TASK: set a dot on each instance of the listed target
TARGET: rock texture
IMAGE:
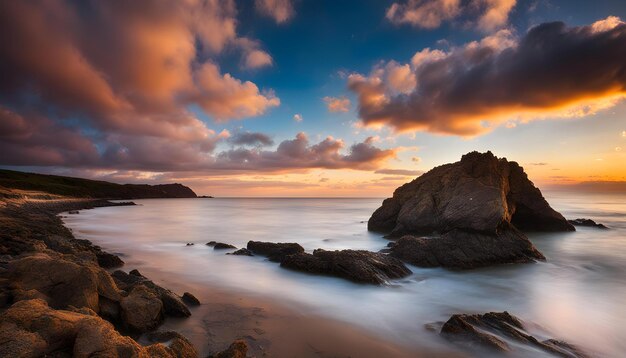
(274, 251)
(465, 250)
(492, 331)
(30, 328)
(474, 207)
(223, 246)
(238, 349)
(354, 265)
(587, 223)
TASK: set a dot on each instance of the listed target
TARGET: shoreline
(268, 328)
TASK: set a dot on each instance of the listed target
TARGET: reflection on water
(578, 295)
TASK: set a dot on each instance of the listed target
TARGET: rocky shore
(57, 298)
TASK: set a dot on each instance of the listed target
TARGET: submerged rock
(587, 222)
(274, 251)
(242, 252)
(492, 331)
(190, 299)
(459, 249)
(238, 349)
(223, 246)
(481, 197)
(354, 265)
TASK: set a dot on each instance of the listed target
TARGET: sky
(312, 97)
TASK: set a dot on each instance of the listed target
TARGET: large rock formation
(493, 330)
(354, 265)
(475, 205)
(274, 251)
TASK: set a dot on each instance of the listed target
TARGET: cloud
(337, 104)
(258, 59)
(487, 15)
(553, 71)
(540, 164)
(251, 138)
(125, 67)
(403, 172)
(623, 134)
(416, 159)
(297, 117)
(279, 10)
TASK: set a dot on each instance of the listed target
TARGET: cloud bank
(552, 71)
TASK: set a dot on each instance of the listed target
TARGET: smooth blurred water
(578, 295)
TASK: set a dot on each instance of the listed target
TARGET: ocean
(577, 295)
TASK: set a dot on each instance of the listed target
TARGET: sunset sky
(310, 97)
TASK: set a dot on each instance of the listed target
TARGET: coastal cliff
(85, 188)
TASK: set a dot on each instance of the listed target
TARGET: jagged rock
(474, 207)
(62, 282)
(492, 331)
(241, 252)
(190, 299)
(458, 249)
(238, 349)
(32, 329)
(172, 303)
(108, 261)
(223, 246)
(274, 251)
(587, 222)
(354, 265)
(142, 310)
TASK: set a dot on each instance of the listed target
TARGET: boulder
(142, 310)
(274, 251)
(108, 261)
(222, 246)
(62, 280)
(354, 265)
(190, 299)
(172, 304)
(238, 349)
(493, 330)
(459, 249)
(587, 223)
(474, 209)
(31, 328)
(175, 342)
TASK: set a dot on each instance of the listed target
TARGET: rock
(274, 251)
(478, 193)
(190, 299)
(492, 331)
(587, 222)
(73, 212)
(482, 199)
(175, 342)
(354, 265)
(241, 252)
(62, 282)
(135, 272)
(211, 243)
(238, 349)
(189, 244)
(32, 329)
(223, 246)
(459, 249)
(142, 310)
(172, 304)
(108, 261)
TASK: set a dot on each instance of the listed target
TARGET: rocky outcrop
(459, 249)
(587, 223)
(474, 208)
(354, 265)
(30, 328)
(274, 251)
(222, 246)
(479, 193)
(241, 252)
(493, 330)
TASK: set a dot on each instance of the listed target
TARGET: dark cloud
(251, 138)
(552, 71)
(402, 172)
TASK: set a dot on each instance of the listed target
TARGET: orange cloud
(553, 71)
(280, 10)
(337, 104)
